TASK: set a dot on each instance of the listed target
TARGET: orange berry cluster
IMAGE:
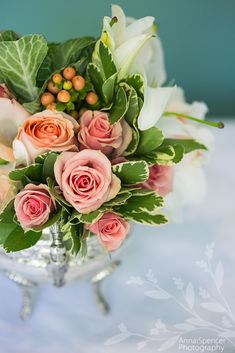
(66, 89)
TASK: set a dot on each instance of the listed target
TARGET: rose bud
(91, 98)
(78, 82)
(33, 206)
(47, 98)
(69, 73)
(63, 96)
(111, 230)
(160, 179)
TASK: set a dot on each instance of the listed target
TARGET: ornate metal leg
(97, 281)
(28, 289)
(58, 265)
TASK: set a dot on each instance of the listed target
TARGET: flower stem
(219, 125)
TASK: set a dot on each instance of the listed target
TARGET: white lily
(189, 186)
(135, 50)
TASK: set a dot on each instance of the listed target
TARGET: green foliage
(108, 88)
(133, 172)
(3, 162)
(20, 61)
(146, 218)
(8, 35)
(189, 145)
(150, 139)
(96, 78)
(48, 166)
(119, 107)
(31, 174)
(137, 82)
(108, 67)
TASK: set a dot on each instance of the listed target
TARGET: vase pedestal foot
(28, 290)
(97, 281)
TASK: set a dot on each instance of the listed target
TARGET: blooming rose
(97, 133)
(86, 179)
(160, 179)
(45, 131)
(111, 230)
(33, 206)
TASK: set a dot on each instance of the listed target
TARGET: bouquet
(92, 138)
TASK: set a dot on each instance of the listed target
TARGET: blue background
(198, 37)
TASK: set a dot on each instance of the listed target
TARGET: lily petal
(119, 27)
(125, 55)
(155, 102)
(140, 26)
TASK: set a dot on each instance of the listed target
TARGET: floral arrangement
(90, 137)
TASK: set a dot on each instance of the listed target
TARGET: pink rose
(86, 179)
(97, 133)
(160, 179)
(33, 206)
(43, 132)
(111, 230)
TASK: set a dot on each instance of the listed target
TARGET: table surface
(175, 283)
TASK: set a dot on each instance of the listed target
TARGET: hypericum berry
(51, 106)
(57, 78)
(52, 87)
(91, 98)
(47, 98)
(69, 73)
(63, 96)
(74, 114)
(67, 85)
(78, 82)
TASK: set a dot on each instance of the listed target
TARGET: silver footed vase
(48, 262)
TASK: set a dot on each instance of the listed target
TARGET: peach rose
(86, 179)
(33, 206)
(97, 133)
(111, 230)
(43, 132)
(160, 179)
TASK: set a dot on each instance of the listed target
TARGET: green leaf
(118, 200)
(131, 148)
(6, 221)
(19, 64)
(106, 60)
(119, 107)
(108, 88)
(68, 52)
(137, 82)
(150, 139)
(145, 218)
(52, 219)
(57, 196)
(149, 203)
(19, 240)
(3, 162)
(72, 235)
(179, 153)
(95, 77)
(188, 144)
(48, 166)
(8, 35)
(133, 172)
(133, 108)
(32, 173)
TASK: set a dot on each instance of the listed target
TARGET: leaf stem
(219, 125)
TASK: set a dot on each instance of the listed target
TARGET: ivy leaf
(95, 77)
(146, 203)
(19, 240)
(106, 60)
(19, 64)
(188, 144)
(150, 139)
(119, 107)
(146, 218)
(108, 88)
(133, 172)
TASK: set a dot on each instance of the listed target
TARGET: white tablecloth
(68, 319)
